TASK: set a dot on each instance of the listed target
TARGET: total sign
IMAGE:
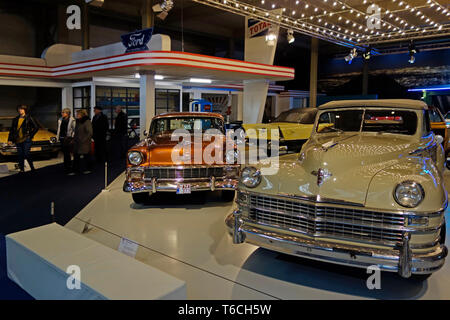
(256, 28)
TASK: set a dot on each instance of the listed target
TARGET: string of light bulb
(354, 34)
(392, 28)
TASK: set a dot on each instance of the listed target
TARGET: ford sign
(137, 41)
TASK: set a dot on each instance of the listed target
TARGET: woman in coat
(82, 143)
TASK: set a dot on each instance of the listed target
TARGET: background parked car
(440, 127)
(294, 127)
(44, 142)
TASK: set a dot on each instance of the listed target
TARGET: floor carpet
(26, 203)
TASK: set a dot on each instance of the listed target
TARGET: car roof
(394, 103)
(188, 114)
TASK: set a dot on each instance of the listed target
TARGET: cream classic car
(366, 190)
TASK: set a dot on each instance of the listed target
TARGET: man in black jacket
(121, 132)
(100, 128)
(21, 134)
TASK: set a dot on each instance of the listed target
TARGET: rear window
(395, 121)
(368, 120)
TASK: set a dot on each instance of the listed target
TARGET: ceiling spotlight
(200, 80)
(290, 36)
(366, 54)
(163, 8)
(412, 51)
(353, 53)
(271, 38)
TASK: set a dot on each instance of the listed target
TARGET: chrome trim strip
(256, 224)
(315, 199)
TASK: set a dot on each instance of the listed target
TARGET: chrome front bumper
(400, 260)
(12, 150)
(171, 185)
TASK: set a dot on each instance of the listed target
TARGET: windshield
(170, 124)
(300, 115)
(375, 120)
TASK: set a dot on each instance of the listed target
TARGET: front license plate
(36, 149)
(184, 189)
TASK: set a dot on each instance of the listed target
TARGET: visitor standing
(121, 132)
(65, 134)
(82, 143)
(21, 133)
(100, 129)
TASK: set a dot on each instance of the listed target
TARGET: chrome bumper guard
(400, 260)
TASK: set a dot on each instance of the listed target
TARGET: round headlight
(135, 158)
(409, 194)
(53, 139)
(251, 177)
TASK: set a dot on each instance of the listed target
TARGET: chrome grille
(183, 173)
(320, 220)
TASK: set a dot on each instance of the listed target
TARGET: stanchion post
(106, 177)
(52, 211)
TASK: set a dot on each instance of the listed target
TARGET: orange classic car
(173, 157)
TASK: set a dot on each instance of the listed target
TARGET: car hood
(159, 150)
(41, 135)
(348, 162)
(288, 130)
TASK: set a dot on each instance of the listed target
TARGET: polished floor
(10, 164)
(186, 237)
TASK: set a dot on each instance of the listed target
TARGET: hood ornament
(322, 175)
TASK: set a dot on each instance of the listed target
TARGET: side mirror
(439, 139)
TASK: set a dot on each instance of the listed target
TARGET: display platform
(186, 238)
(102, 273)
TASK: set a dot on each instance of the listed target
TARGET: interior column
(147, 14)
(313, 72)
(146, 101)
(365, 74)
(85, 27)
(67, 98)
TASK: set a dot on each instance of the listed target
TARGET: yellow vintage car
(294, 128)
(366, 190)
(44, 142)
